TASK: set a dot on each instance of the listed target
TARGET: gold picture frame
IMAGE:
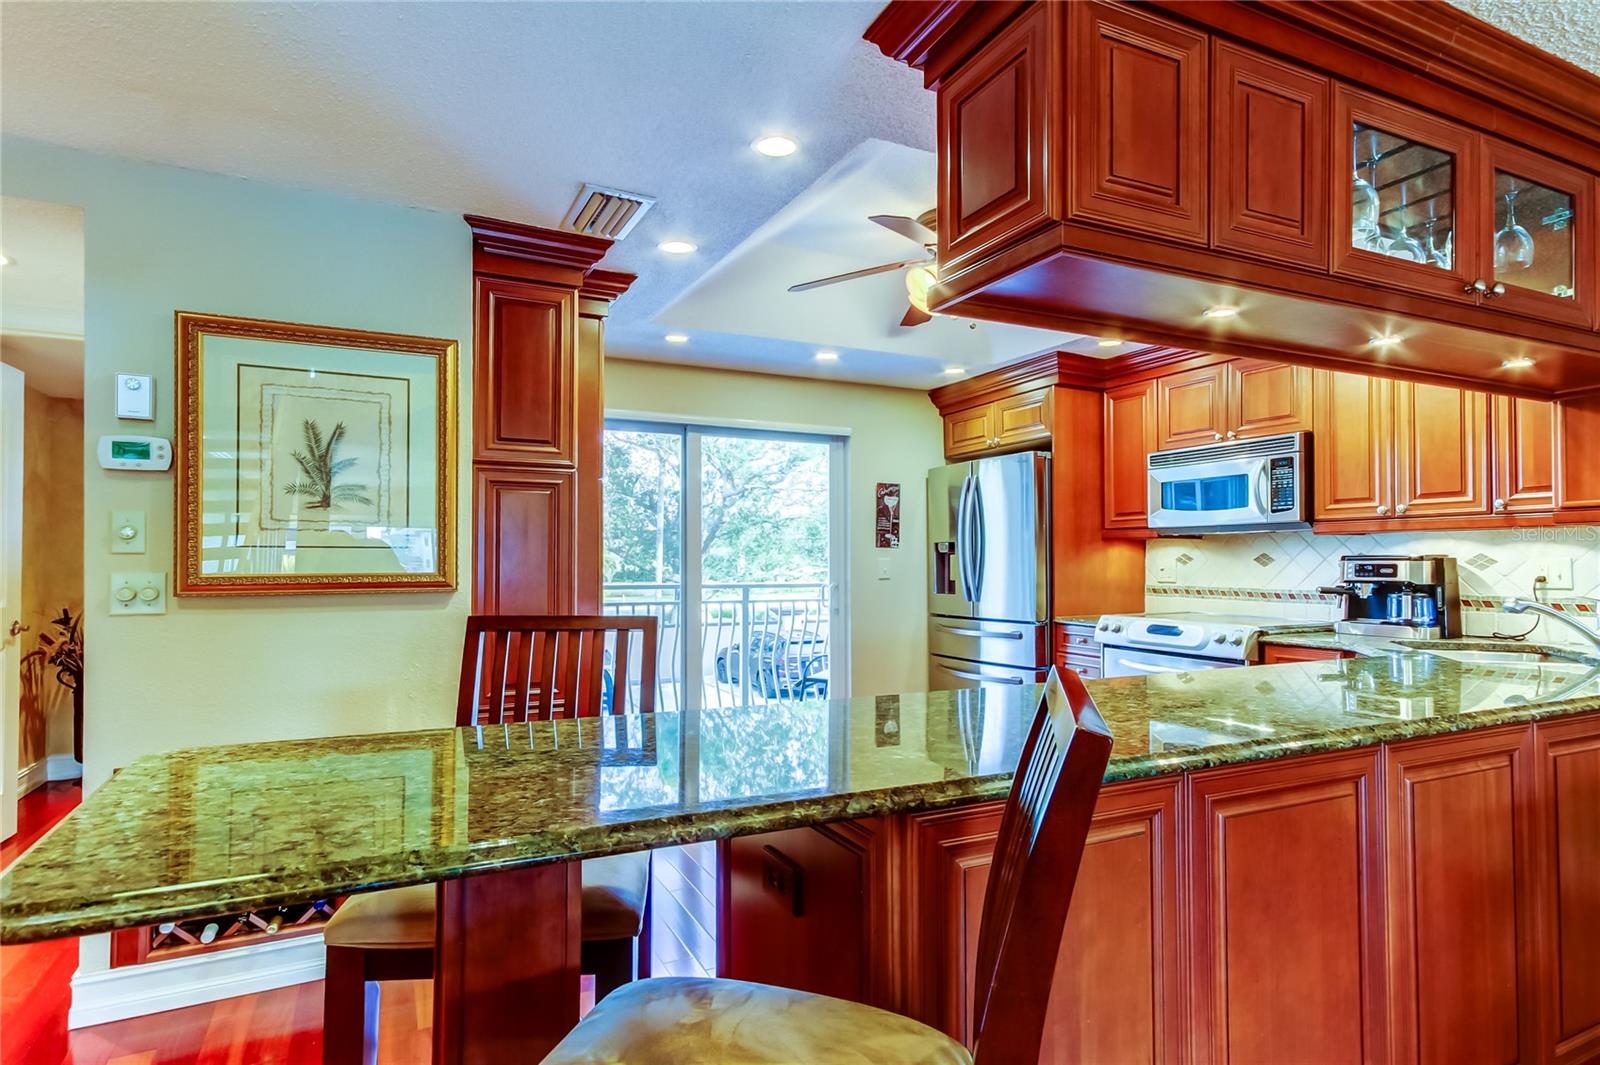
(313, 459)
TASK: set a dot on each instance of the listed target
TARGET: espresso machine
(1412, 596)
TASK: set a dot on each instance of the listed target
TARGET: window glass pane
(1402, 198)
(1532, 236)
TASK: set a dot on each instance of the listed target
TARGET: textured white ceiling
(41, 294)
(506, 108)
(1567, 28)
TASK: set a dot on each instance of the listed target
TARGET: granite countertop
(1077, 619)
(220, 829)
(1323, 637)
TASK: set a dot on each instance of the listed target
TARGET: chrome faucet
(1520, 606)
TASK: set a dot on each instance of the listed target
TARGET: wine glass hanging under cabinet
(1541, 257)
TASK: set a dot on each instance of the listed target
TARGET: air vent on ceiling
(602, 212)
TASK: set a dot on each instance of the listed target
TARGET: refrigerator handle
(964, 538)
(978, 540)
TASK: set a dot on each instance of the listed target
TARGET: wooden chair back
(532, 667)
(1042, 835)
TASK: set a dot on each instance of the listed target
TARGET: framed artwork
(313, 459)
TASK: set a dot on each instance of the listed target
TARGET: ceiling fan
(921, 275)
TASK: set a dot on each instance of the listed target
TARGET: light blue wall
(160, 239)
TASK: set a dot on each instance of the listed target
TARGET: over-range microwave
(1236, 486)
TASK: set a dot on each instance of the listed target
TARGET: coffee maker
(1411, 596)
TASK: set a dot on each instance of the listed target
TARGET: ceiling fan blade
(909, 228)
(914, 317)
(852, 275)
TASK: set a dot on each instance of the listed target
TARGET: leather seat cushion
(682, 1021)
(613, 908)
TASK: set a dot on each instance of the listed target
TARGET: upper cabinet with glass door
(1541, 260)
(1409, 218)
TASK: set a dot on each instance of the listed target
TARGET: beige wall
(52, 559)
(894, 435)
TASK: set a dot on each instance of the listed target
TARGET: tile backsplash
(1277, 574)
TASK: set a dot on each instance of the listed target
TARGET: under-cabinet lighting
(676, 247)
(1108, 343)
(827, 356)
(1522, 362)
(1221, 310)
(676, 338)
(775, 145)
(1384, 341)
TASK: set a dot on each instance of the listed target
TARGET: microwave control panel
(1281, 484)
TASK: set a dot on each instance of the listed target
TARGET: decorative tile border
(1584, 607)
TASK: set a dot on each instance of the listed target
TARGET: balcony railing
(750, 643)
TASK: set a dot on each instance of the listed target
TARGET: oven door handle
(1149, 667)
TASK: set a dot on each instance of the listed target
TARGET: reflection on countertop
(225, 828)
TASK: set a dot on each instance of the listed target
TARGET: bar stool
(514, 669)
(673, 1021)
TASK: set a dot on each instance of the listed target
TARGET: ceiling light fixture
(954, 371)
(1384, 341)
(677, 247)
(827, 356)
(1521, 362)
(1221, 310)
(1109, 343)
(676, 338)
(775, 145)
(919, 279)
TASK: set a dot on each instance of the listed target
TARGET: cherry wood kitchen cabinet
(1076, 649)
(1136, 117)
(1274, 653)
(1566, 770)
(1463, 945)
(1192, 407)
(1285, 905)
(1130, 434)
(1269, 157)
(1554, 206)
(1442, 450)
(1012, 423)
(1578, 457)
(1524, 455)
(1353, 417)
(1231, 400)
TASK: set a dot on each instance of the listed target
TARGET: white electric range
(1133, 645)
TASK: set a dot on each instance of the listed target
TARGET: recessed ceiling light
(676, 247)
(1221, 310)
(775, 145)
(1109, 343)
(676, 338)
(1521, 362)
(954, 371)
(827, 356)
(1383, 341)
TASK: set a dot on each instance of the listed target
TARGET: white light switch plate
(883, 569)
(138, 593)
(127, 532)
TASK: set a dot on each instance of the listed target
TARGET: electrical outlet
(1164, 574)
(1553, 574)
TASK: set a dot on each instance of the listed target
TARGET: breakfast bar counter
(1327, 782)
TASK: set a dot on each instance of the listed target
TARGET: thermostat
(136, 396)
(135, 453)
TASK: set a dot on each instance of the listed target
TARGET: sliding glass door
(734, 539)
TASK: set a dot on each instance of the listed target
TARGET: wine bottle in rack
(209, 932)
(275, 922)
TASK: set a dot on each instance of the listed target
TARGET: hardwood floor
(282, 1027)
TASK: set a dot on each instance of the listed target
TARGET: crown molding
(534, 244)
(606, 284)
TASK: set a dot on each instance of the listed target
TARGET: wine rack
(202, 935)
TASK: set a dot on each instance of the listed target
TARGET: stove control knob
(1116, 628)
(1236, 639)
(1218, 638)
(1104, 626)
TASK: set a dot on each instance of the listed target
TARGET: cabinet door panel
(1441, 450)
(1269, 157)
(1130, 437)
(968, 432)
(1287, 854)
(1461, 930)
(1553, 206)
(1023, 419)
(1136, 117)
(992, 128)
(1265, 398)
(1524, 455)
(1192, 407)
(1353, 420)
(1577, 457)
(524, 525)
(525, 386)
(1567, 766)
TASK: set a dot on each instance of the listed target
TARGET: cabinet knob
(1499, 289)
(1479, 286)
(1217, 436)
(1401, 509)
(1231, 434)
(1499, 505)
(1383, 508)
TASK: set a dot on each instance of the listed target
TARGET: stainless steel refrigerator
(989, 571)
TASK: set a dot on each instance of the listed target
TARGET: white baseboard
(137, 990)
(30, 777)
(62, 767)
